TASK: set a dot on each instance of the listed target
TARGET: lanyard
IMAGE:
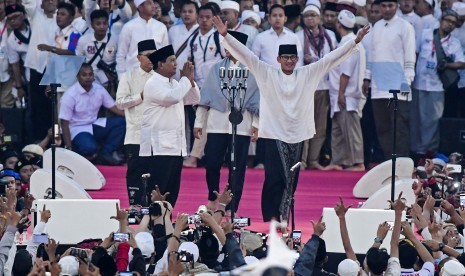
(63, 38)
(206, 46)
(237, 27)
(442, 42)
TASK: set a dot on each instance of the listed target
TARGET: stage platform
(316, 189)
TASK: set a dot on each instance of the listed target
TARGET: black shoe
(107, 160)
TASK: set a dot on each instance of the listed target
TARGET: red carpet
(316, 189)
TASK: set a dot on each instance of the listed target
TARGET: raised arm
(398, 206)
(341, 211)
(240, 51)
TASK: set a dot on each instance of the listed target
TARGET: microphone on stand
(238, 73)
(145, 176)
(296, 166)
(245, 72)
(230, 72)
(222, 72)
(442, 176)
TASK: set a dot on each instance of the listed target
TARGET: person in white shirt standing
(119, 13)
(43, 27)
(347, 100)
(163, 137)
(393, 40)
(428, 96)
(129, 98)
(317, 42)
(7, 100)
(425, 9)
(406, 12)
(230, 13)
(286, 112)
(140, 28)
(214, 111)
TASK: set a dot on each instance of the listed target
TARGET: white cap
(313, 2)
(34, 148)
(190, 247)
(360, 3)
(348, 267)
(246, 14)
(69, 265)
(459, 8)
(346, 18)
(138, 2)
(311, 8)
(233, 5)
(453, 268)
(350, 2)
(144, 241)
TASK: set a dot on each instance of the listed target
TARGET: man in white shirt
(82, 130)
(393, 40)
(428, 94)
(425, 9)
(317, 41)
(99, 46)
(230, 14)
(43, 27)
(129, 98)
(214, 111)
(286, 112)
(163, 137)
(119, 13)
(140, 28)
(18, 44)
(406, 12)
(79, 23)
(347, 100)
(266, 44)
(6, 82)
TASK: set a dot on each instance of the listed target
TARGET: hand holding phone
(296, 238)
(120, 237)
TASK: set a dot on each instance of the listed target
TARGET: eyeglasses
(289, 57)
(311, 15)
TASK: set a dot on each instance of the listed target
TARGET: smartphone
(462, 200)
(296, 238)
(241, 222)
(194, 219)
(144, 211)
(132, 220)
(453, 168)
(391, 225)
(40, 238)
(125, 273)
(120, 237)
(77, 252)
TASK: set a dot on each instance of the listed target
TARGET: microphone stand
(292, 203)
(53, 97)
(394, 99)
(145, 196)
(235, 89)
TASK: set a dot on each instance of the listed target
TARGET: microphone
(146, 176)
(222, 72)
(230, 72)
(442, 176)
(297, 165)
(238, 73)
(245, 73)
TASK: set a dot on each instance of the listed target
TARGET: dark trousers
(136, 168)
(454, 103)
(218, 145)
(110, 137)
(40, 107)
(165, 172)
(371, 147)
(384, 120)
(276, 180)
(189, 112)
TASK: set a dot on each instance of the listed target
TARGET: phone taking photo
(40, 238)
(296, 238)
(120, 237)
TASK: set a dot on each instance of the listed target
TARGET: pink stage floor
(316, 190)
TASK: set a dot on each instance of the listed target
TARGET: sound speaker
(452, 135)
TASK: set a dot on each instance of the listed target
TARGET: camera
(241, 222)
(186, 257)
(79, 253)
(120, 237)
(194, 219)
(107, 68)
(296, 238)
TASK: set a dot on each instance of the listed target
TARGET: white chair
(41, 186)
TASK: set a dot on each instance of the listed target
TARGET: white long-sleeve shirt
(266, 46)
(286, 101)
(392, 41)
(163, 124)
(129, 99)
(415, 21)
(178, 34)
(117, 17)
(133, 32)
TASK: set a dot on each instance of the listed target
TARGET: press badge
(431, 65)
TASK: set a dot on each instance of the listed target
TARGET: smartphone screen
(241, 222)
(40, 238)
(121, 237)
(462, 200)
(391, 225)
(194, 219)
(296, 238)
(144, 211)
(454, 168)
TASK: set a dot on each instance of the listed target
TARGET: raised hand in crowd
(45, 214)
(319, 227)
(51, 249)
(157, 196)
(175, 266)
(220, 25)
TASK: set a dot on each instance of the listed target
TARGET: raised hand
(220, 26)
(51, 249)
(362, 33)
(121, 215)
(398, 205)
(319, 227)
(45, 214)
(157, 196)
(188, 70)
(340, 209)
(383, 229)
(225, 197)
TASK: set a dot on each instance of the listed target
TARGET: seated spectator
(9, 159)
(83, 132)
(32, 151)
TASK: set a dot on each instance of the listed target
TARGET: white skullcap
(439, 162)
(348, 267)
(190, 247)
(361, 20)
(453, 268)
(34, 148)
(360, 3)
(311, 8)
(138, 2)
(346, 18)
(459, 8)
(313, 2)
(350, 2)
(69, 265)
(144, 241)
(233, 5)
(246, 14)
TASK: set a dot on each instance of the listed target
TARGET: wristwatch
(378, 240)
(441, 246)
